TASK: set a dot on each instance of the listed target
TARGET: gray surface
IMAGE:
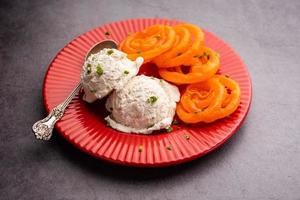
(262, 161)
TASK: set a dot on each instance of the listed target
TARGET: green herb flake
(107, 33)
(175, 122)
(151, 100)
(126, 72)
(186, 136)
(168, 147)
(109, 52)
(89, 68)
(93, 91)
(140, 148)
(169, 129)
(99, 70)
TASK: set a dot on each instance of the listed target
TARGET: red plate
(83, 124)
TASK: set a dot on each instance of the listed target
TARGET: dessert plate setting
(103, 118)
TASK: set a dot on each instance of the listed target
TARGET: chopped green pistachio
(175, 122)
(126, 72)
(89, 68)
(169, 129)
(205, 56)
(199, 111)
(140, 148)
(107, 33)
(186, 136)
(99, 70)
(109, 52)
(151, 100)
(168, 147)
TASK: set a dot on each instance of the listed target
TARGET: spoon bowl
(102, 45)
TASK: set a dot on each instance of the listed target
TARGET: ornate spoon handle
(43, 128)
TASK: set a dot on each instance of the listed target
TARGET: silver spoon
(43, 128)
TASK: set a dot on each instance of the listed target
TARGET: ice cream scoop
(105, 71)
(145, 104)
(43, 128)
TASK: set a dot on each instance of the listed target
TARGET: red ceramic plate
(83, 124)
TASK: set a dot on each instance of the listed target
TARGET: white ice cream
(105, 71)
(145, 104)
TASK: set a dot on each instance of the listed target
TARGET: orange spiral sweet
(189, 39)
(198, 72)
(149, 43)
(195, 107)
(209, 101)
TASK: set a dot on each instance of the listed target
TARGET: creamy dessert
(106, 71)
(144, 104)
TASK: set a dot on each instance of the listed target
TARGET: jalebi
(150, 43)
(204, 67)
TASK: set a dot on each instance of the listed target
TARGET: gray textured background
(262, 161)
